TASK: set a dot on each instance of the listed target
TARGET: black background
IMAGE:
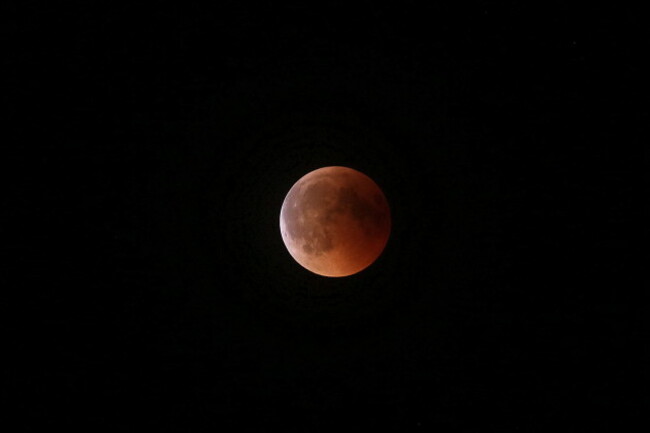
(155, 148)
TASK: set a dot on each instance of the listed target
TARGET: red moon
(335, 221)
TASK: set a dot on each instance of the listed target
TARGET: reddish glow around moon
(335, 221)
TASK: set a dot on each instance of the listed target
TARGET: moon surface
(335, 221)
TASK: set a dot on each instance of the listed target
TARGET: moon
(335, 221)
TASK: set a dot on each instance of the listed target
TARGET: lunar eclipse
(335, 221)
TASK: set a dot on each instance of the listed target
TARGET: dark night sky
(156, 147)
